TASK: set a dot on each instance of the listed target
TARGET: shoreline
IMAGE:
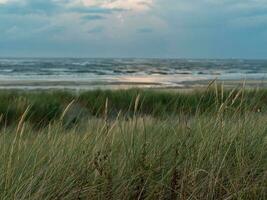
(115, 85)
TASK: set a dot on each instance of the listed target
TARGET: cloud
(182, 28)
(210, 14)
(30, 7)
(94, 10)
(98, 29)
(134, 5)
(145, 30)
(27, 7)
(3, 1)
(250, 21)
(93, 17)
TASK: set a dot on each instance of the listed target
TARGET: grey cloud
(183, 28)
(98, 29)
(93, 17)
(95, 10)
(50, 7)
(145, 30)
(31, 7)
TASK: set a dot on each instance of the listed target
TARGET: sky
(134, 28)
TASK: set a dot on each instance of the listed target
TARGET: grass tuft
(134, 144)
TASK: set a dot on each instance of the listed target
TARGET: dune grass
(134, 144)
(46, 107)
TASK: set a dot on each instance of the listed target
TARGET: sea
(90, 73)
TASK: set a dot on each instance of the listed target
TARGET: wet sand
(228, 83)
(123, 84)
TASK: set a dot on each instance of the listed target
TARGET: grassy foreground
(134, 145)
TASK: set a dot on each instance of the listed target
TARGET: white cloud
(3, 1)
(135, 5)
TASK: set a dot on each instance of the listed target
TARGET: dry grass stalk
(67, 109)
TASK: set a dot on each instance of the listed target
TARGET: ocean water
(91, 73)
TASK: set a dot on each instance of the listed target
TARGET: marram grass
(219, 153)
(48, 106)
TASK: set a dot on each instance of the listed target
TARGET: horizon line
(133, 57)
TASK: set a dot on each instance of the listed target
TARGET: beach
(86, 74)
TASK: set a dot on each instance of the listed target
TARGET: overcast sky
(134, 28)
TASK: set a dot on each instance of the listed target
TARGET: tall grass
(47, 107)
(209, 145)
